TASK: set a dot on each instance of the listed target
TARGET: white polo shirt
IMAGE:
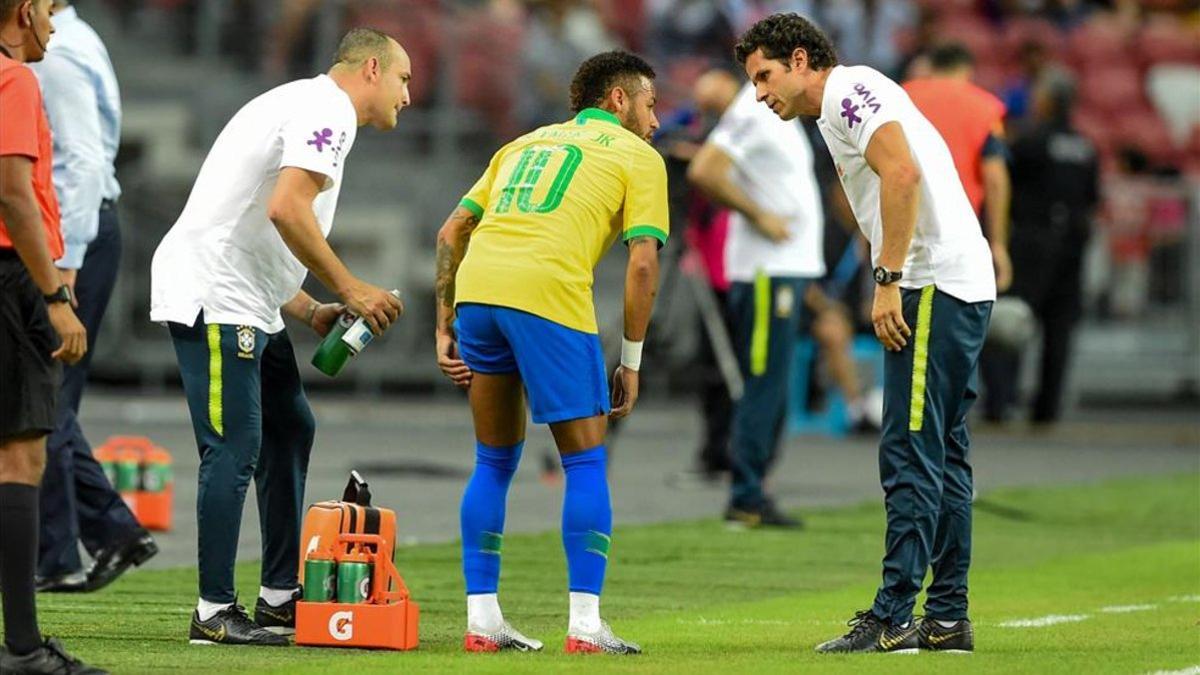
(223, 255)
(773, 165)
(948, 248)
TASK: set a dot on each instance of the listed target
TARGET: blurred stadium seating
(186, 65)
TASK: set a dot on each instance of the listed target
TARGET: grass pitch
(1082, 579)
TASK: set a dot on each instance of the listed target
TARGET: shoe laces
(863, 621)
(237, 614)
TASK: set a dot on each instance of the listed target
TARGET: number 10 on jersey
(530, 169)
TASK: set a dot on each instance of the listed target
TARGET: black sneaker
(71, 582)
(771, 516)
(869, 633)
(957, 639)
(742, 519)
(50, 658)
(114, 561)
(231, 626)
(279, 620)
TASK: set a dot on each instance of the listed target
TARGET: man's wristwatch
(884, 276)
(63, 294)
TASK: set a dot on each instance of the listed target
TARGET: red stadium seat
(1100, 41)
(1021, 30)
(1165, 40)
(976, 35)
(1099, 129)
(1145, 130)
(1113, 89)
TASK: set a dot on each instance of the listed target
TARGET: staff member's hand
(449, 361)
(324, 316)
(887, 316)
(773, 227)
(70, 331)
(375, 305)
(1004, 271)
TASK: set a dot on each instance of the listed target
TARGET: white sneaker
(599, 642)
(505, 638)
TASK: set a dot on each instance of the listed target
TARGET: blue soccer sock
(481, 516)
(586, 519)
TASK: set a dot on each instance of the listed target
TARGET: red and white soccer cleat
(505, 638)
(600, 642)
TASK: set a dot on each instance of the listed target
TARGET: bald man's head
(715, 90)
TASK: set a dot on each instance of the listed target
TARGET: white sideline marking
(1125, 609)
(1043, 621)
(1194, 670)
(1184, 598)
(729, 622)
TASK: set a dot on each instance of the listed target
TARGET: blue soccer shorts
(562, 368)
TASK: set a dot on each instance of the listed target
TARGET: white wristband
(631, 353)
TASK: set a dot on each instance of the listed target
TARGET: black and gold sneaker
(231, 626)
(280, 620)
(869, 633)
(956, 639)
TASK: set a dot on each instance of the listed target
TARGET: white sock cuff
(276, 596)
(585, 613)
(483, 612)
(208, 610)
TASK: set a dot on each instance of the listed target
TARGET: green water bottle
(353, 582)
(349, 336)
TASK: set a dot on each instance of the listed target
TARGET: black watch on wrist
(884, 276)
(63, 294)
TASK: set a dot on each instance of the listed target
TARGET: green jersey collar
(596, 114)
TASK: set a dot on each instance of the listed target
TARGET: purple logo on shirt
(322, 138)
(850, 112)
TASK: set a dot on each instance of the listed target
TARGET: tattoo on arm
(450, 252)
(641, 240)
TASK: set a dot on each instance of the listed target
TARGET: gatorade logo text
(341, 626)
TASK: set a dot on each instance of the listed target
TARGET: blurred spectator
(78, 504)
(971, 121)
(560, 35)
(761, 167)
(1055, 171)
(865, 31)
(688, 27)
(1034, 60)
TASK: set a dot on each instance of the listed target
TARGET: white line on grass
(1125, 609)
(729, 622)
(1184, 598)
(1043, 621)
(1194, 670)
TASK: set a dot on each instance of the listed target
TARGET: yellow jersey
(550, 204)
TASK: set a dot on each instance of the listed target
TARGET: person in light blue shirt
(83, 104)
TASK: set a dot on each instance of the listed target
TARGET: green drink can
(320, 580)
(353, 582)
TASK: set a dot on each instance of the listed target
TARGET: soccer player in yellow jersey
(516, 324)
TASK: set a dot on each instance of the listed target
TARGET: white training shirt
(223, 255)
(948, 248)
(773, 165)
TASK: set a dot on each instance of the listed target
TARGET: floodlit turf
(1125, 555)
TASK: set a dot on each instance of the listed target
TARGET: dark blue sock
(587, 519)
(482, 514)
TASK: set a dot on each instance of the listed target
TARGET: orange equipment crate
(388, 620)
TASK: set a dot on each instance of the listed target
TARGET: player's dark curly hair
(599, 74)
(779, 35)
